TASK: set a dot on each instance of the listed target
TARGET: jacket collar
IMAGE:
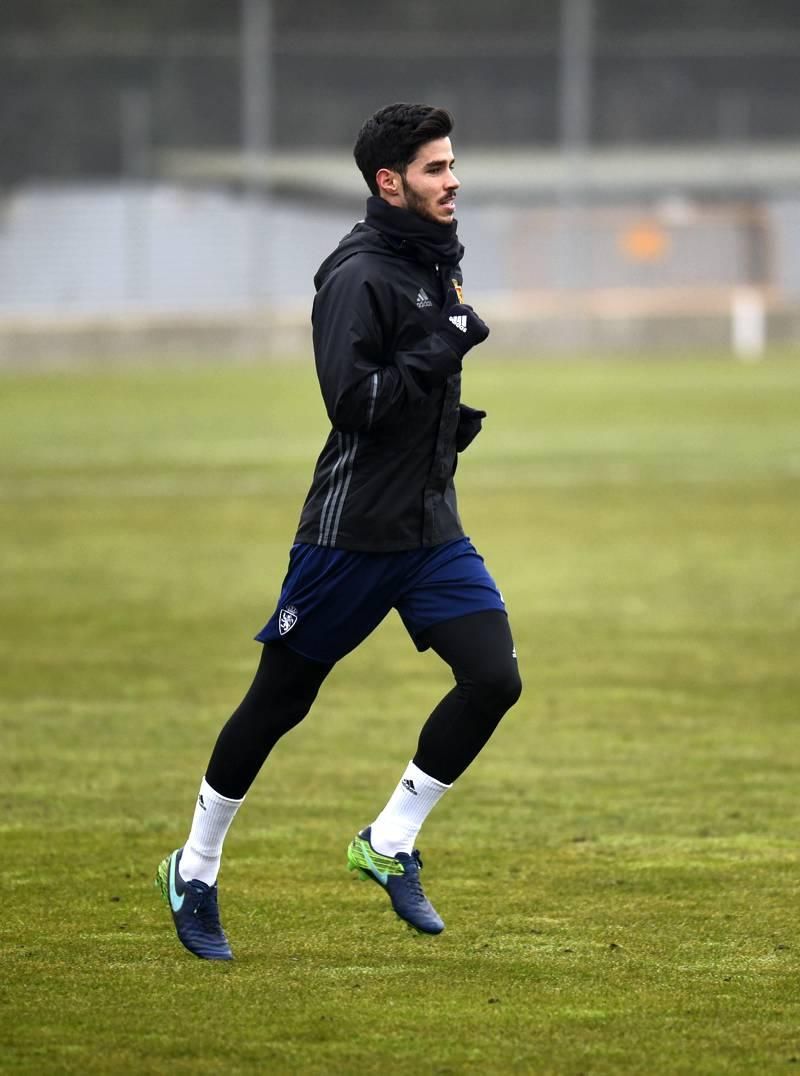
(424, 240)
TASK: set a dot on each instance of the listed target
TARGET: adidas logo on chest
(422, 299)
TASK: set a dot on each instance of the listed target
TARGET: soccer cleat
(195, 911)
(399, 876)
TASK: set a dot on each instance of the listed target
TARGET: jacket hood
(361, 239)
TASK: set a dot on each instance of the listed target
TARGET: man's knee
(509, 686)
(286, 683)
(498, 687)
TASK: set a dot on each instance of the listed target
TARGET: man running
(380, 528)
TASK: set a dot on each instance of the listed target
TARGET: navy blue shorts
(332, 599)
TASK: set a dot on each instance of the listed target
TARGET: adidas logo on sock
(409, 784)
(201, 801)
(423, 300)
(460, 321)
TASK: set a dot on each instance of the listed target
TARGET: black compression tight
(479, 650)
(280, 696)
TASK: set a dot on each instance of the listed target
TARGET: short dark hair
(392, 137)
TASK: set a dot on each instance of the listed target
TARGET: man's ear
(388, 182)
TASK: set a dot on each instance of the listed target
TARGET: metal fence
(658, 74)
(186, 156)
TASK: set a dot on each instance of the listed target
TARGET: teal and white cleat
(399, 876)
(195, 911)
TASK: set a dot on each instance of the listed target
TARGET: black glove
(470, 421)
(460, 326)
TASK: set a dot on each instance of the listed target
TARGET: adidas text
(460, 321)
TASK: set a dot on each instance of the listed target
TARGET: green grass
(619, 869)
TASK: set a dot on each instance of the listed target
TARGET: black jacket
(391, 386)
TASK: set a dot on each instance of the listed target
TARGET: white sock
(202, 853)
(396, 827)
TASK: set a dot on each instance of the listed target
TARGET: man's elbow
(347, 419)
(354, 410)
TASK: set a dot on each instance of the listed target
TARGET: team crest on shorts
(287, 618)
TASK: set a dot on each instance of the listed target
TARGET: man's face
(429, 186)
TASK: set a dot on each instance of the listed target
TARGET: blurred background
(173, 171)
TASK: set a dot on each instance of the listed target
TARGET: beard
(415, 203)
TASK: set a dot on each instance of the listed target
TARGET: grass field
(619, 869)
